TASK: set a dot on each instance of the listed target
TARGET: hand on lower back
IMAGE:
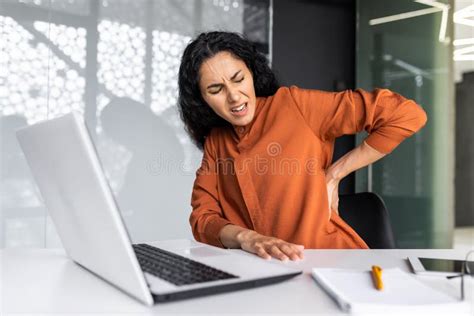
(332, 186)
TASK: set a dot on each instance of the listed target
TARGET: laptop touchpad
(206, 252)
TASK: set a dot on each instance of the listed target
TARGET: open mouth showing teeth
(239, 108)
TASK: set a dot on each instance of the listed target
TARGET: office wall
(115, 62)
(314, 48)
(465, 151)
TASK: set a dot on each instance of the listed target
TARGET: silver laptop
(69, 175)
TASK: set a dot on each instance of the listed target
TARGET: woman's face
(226, 85)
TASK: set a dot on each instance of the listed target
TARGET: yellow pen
(377, 277)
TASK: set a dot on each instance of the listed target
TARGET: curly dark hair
(197, 115)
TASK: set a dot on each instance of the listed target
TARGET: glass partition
(406, 46)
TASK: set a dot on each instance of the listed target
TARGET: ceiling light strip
(463, 41)
(402, 16)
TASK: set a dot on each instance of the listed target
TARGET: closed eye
(220, 87)
(215, 91)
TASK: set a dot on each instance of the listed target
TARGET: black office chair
(367, 215)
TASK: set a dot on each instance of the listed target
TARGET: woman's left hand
(357, 158)
(332, 185)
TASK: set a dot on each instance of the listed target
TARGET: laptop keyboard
(174, 268)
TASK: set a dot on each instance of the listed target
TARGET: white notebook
(354, 292)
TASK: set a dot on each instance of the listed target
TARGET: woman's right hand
(267, 247)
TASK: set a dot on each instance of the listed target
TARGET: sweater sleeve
(388, 117)
(207, 218)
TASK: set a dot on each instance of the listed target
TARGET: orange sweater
(269, 176)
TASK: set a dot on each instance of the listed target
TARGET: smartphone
(433, 266)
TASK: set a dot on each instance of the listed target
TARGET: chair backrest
(367, 215)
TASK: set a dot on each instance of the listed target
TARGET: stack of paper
(354, 292)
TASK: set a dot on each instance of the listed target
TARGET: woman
(266, 183)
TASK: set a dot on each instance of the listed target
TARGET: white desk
(45, 282)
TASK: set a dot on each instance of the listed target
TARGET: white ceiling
(463, 31)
